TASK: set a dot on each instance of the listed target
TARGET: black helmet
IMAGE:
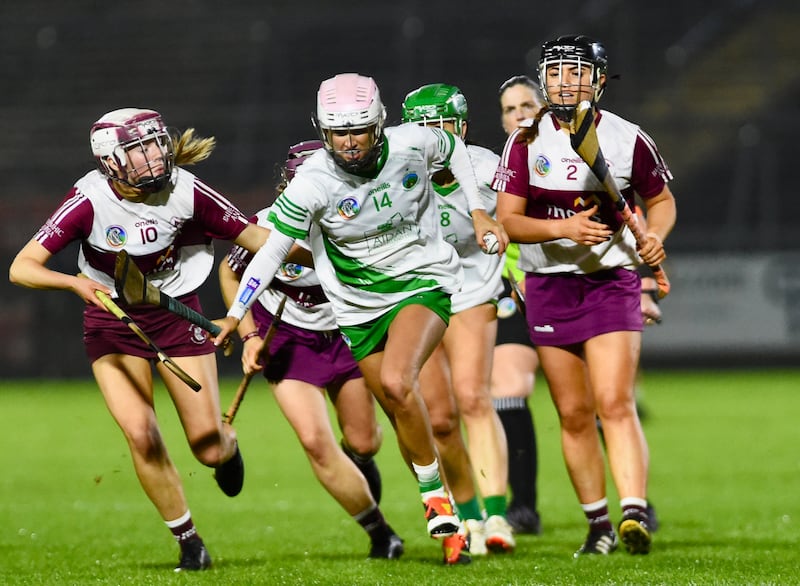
(573, 49)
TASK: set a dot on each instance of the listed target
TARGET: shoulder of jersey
(479, 153)
(484, 162)
(615, 120)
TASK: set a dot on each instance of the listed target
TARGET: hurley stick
(162, 357)
(520, 296)
(264, 352)
(135, 289)
(583, 137)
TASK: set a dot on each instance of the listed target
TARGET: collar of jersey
(445, 190)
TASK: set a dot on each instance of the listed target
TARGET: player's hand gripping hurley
(135, 289)
(583, 137)
(263, 351)
(162, 357)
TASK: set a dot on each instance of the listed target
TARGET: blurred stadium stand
(715, 83)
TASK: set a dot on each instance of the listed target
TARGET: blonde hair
(190, 149)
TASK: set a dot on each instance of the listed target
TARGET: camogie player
(463, 363)
(366, 206)
(141, 199)
(515, 359)
(306, 359)
(583, 292)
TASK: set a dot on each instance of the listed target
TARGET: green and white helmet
(436, 102)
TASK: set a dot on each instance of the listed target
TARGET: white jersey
(306, 306)
(168, 235)
(376, 240)
(557, 183)
(482, 271)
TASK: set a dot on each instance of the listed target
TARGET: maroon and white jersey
(168, 234)
(557, 184)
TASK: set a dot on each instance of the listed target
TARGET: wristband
(252, 334)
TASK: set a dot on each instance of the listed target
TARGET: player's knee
(363, 443)
(444, 423)
(615, 409)
(577, 419)
(208, 449)
(396, 388)
(146, 441)
(475, 405)
(318, 444)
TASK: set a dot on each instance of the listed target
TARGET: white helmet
(118, 131)
(351, 102)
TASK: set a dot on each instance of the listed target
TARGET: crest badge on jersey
(542, 166)
(291, 271)
(410, 180)
(348, 208)
(197, 335)
(116, 236)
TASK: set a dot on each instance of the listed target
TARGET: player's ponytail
(528, 134)
(190, 149)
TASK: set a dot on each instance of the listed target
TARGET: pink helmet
(350, 101)
(118, 131)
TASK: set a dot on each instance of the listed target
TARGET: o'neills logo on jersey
(542, 166)
(116, 236)
(348, 207)
(410, 180)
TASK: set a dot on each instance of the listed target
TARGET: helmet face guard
(574, 51)
(134, 147)
(350, 104)
(436, 104)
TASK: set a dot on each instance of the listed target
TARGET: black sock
(522, 456)
(374, 524)
(369, 469)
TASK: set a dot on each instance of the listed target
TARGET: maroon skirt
(104, 333)
(568, 308)
(322, 359)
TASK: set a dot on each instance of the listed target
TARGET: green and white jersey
(377, 240)
(482, 271)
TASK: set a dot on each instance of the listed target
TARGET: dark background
(715, 83)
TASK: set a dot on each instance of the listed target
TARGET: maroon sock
(634, 511)
(598, 519)
(184, 531)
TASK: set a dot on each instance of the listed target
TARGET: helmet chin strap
(563, 113)
(361, 165)
(146, 186)
(155, 184)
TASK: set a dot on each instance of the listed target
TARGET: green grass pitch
(725, 478)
